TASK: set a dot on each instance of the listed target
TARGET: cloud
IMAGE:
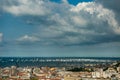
(1, 37)
(98, 15)
(25, 7)
(27, 38)
(65, 24)
(112, 5)
(65, 1)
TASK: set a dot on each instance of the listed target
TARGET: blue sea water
(54, 61)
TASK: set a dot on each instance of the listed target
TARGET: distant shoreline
(53, 57)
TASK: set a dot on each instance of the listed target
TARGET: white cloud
(1, 37)
(97, 15)
(79, 21)
(25, 7)
(66, 23)
(65, 1)
(27, 38)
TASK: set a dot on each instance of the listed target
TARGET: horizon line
(61, 56)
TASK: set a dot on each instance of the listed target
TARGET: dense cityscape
(70, 69)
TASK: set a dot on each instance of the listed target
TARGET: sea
(55, 61)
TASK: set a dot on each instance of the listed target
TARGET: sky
(62, 28)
